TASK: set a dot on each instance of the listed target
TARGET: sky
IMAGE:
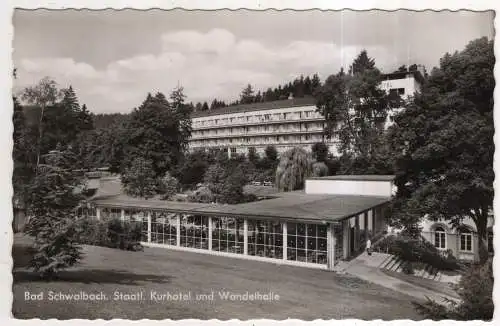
(114, 58)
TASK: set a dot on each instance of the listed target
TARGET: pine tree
(247, 95)
(362, 63)
(182, 114)
(70, 100)
(53, 220)
(315, 83)
(85, 121)
(205, 107)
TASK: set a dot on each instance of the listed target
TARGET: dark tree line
(299, 87)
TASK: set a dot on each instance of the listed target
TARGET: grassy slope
(304, 293)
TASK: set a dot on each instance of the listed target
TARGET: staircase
(395, 264)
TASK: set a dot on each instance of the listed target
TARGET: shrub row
(417, 250)
(112, 233)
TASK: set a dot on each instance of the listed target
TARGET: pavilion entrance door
(352, 239)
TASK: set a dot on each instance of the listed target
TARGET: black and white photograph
(252, 164)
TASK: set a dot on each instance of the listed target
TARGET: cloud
(214, 64)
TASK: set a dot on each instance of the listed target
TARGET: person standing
(369, 247)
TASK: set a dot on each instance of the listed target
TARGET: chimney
(290, 97)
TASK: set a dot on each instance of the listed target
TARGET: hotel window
(439, 238)
(248, 118)
(267, 117)
(216, 121)
(285, 138)
(228, 234)
(233, 150)
(265, 239)
(306, 243)
(465, 240)
(307, 114)
(231, 120)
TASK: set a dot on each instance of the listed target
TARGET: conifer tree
(53, 220)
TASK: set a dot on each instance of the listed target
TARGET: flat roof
(299, 101)
(296, 206)
(364, 177)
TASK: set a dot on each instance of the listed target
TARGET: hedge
(112, 233)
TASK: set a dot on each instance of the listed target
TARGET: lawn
(303, 293)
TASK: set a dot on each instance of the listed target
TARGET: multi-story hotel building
(284, 124)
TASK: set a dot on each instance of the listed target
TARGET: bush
(201, 195)
(94, 232)
(319, 169)
(475, 290)
(113, 233)
(167, 186)
(417, 250)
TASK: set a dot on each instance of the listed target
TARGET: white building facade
(284, 124)
(462, 241)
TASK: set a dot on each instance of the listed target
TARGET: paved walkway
(367, 268)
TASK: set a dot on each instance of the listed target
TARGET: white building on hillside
(284, 124)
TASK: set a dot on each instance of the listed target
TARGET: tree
(139, 179)
(157, 132)
(168, 186)
(319, 152)
(85, 121)
(294, 167)
(319, 169)
(41, 95)
(475, 290)
(253, 156)
(355, 109)
(70, 100)
(315, 83)
(23, 154)
(247, 95)
(361, 63)
(271, 153)
(225, 180)
(205, 107)
(53, 221)
(182, 116)
(192, 169)
(442, 144)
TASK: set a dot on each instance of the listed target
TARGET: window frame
(442, 243)
(462, 234)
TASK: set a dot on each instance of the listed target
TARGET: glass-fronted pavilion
(298, 228)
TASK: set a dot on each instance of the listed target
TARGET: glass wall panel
(140, 217)
(194, 231)
(164, 228)
(306, 243)
(228, 234)
(265, 239)
(87, 211)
